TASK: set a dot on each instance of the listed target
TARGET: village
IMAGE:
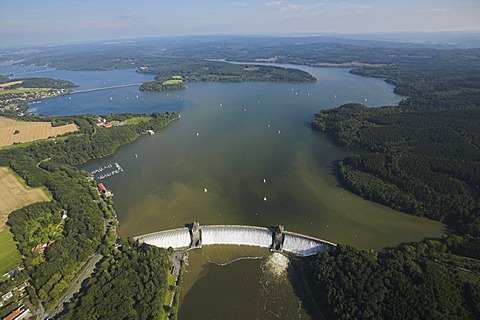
(12, 100)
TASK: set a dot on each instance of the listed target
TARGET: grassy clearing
(23, 90)
(172, 81)
(136, 120)
(177, 77)
(14, 194)
(168, 296)
(9, 255)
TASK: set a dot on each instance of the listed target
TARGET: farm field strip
(12, 131)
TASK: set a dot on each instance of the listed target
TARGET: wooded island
(173, 73)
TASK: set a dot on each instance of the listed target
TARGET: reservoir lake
(230, 137)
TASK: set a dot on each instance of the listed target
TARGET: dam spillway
(243, 235)
(271, 238)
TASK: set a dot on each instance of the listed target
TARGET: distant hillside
(309, 50)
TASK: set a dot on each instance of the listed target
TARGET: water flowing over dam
(195, 236)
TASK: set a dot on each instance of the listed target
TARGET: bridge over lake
(274, 238)
(107, 88)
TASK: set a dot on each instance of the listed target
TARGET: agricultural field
(15, 196)
(12, 131)
(8, 84)
(9, 255)
(22, 90)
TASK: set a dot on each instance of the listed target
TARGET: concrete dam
(274, 238)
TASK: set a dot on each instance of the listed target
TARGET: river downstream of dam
(250, 146)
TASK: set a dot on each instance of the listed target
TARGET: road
(79, 279)
(38, 164)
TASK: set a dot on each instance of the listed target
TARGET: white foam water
(177, 238)
(277, 264)
(240, 235)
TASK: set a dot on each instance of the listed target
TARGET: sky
(26, 22)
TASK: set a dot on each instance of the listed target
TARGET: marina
(110, 169)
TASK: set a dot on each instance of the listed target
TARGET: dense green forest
(418, 281)
(422, 158)
(130, 284)
(84, 231)
(421, 162)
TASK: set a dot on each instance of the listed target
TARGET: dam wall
(240, 235)
(181, 238)
(175, 238)
(304, 245)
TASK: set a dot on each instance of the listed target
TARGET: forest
(423, 158)
(75, 195)
(130, 284)
(417, 281)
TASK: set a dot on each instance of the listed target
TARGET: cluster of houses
(17, 290)
(21, 312)
(12, 101)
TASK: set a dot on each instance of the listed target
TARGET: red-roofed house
(14, 314)
(101, 188)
